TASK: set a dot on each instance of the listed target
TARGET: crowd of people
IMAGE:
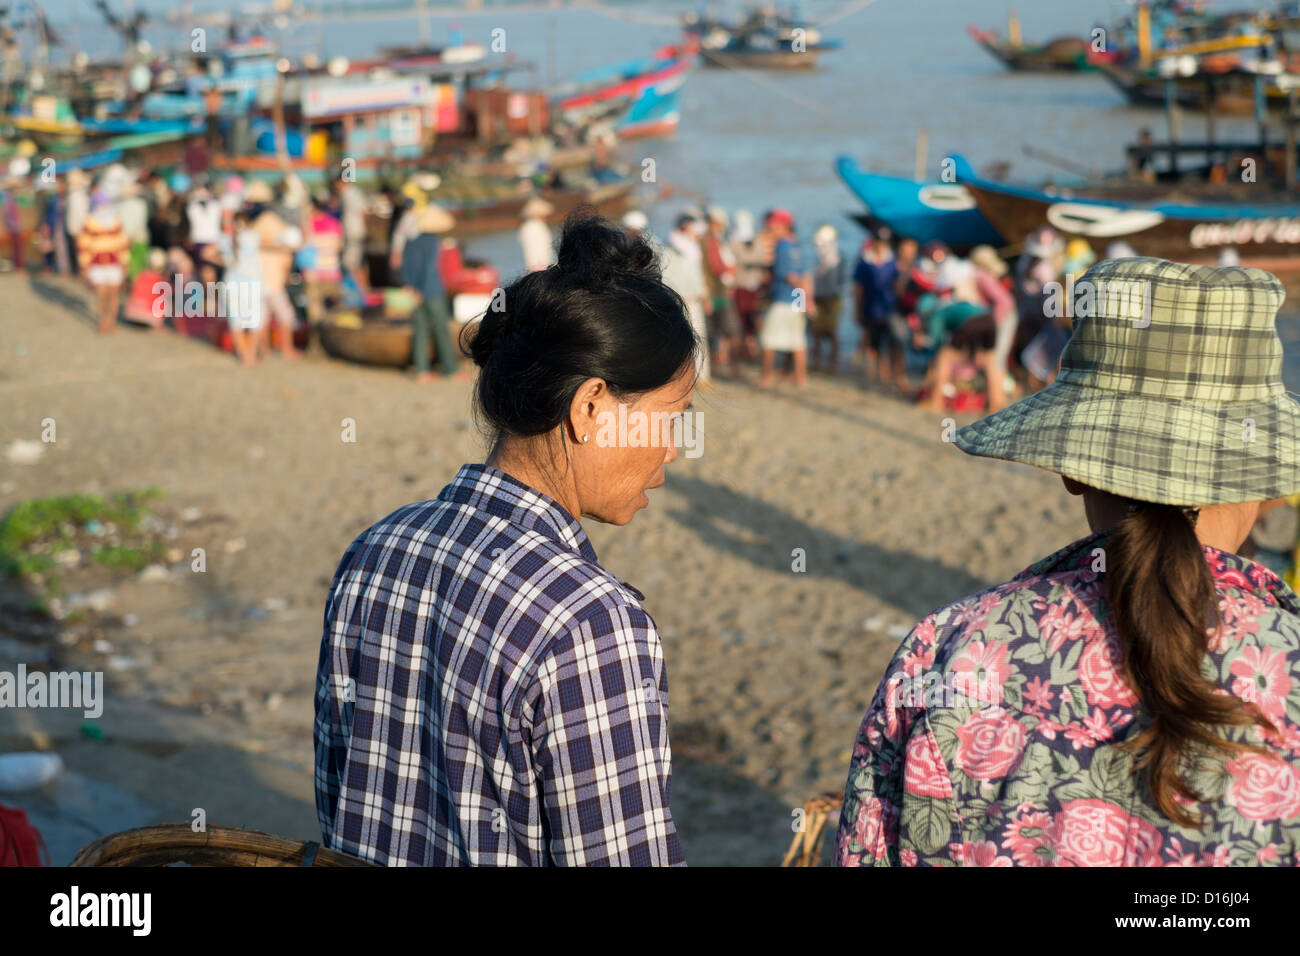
(177, 250)
(954, 332)
(161, 249)
(958, 333)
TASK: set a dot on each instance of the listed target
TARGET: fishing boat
(654, 113)
(1186, 231)
(636, 98)
(1062, 55)
(923, 211)
(474, 216)
(1231, 91)
(764, 40)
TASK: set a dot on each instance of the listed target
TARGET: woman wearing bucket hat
(1133, 699)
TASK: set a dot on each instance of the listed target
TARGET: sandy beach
(769, 668)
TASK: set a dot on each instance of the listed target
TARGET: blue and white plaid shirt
(488, 693)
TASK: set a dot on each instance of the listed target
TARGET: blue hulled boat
(923, 211)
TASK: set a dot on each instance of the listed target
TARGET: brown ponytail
(1162, 595)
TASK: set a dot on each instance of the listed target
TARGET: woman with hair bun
(487, 692)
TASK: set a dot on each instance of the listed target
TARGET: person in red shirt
(720, 277)
(102, 253)
(151, 293)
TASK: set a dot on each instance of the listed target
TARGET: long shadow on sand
(722, 517)
(802, 399)
(58, 295)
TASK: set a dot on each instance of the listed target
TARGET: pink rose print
(1221, 856)
(1039, 694)
(981, 670)
(1092, 731)
(991, 743)
(1262, 679)
(918, 662)
(1031, 838)
(1267, 854)
(1096, 833)
(1263, 788)
(875, 828)
(924, 632)
(925, 774)
(975, 616)
(1226, 577)
(866, 831)
(893, 700)
(1058, 625)
(1239, 615)
(984, 853)
(1101, 674)
(907, 856)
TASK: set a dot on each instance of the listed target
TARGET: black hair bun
(602, 311)
(593, 249)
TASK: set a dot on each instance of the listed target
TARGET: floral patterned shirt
(992, 739)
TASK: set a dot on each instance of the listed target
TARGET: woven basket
(806, 847)
(170, 843)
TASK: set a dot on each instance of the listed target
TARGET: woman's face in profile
(633, 442)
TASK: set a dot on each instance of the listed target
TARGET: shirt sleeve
(599, 738)
(873, 796)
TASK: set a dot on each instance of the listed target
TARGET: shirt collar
(492, 490)
(1228, 569)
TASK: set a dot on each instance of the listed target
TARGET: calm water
(757, 140)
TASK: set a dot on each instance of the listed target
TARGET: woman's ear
(1072, 486)
(584, 410)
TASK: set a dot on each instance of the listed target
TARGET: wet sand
(769, 668)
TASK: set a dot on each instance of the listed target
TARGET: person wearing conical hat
(535, 235)
(414, 195)
(1134, 698)
(421, 275)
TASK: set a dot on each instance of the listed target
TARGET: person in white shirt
(683, 272)
(352, 207)
(78, 204)
(535, 235)
(133, 213)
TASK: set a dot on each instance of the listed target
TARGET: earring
(585, 437)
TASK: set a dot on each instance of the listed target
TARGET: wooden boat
(764, 40)
(385, 342)
(1062, 55)
(474, 217)
(1195, 230)
(923, 211)
(635, 98)
(654, 113)
(1230, 92)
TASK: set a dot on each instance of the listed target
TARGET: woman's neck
(1224, 527)
(555, 480)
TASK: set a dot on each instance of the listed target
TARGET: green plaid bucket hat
(1170, 390)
